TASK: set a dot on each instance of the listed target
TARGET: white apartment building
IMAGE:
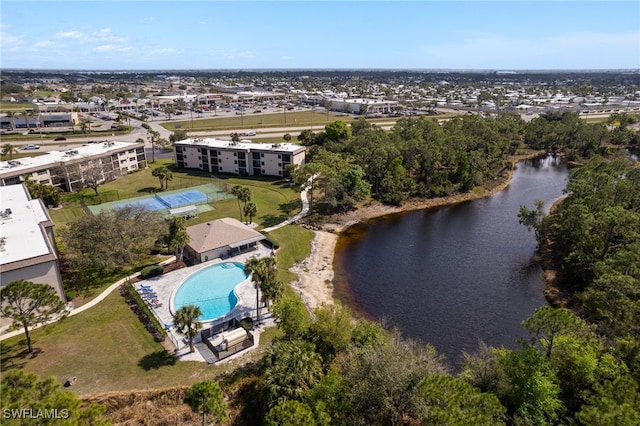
(362, 106)
(240, 158)
(27, 244)
(68, 169)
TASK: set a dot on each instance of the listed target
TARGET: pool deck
(165, 285)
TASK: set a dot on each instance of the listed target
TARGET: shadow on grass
(149, 190)
(272, 220)
(287, 208)
(15, 355)
(156, 360)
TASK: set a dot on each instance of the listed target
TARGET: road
(48, 144)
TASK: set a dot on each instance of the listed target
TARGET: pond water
(452, 276)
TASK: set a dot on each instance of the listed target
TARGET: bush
(70, 294)
(151, 271)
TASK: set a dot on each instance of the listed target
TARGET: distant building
(240, 158)
(27, 244)
(362, 106)
(220, 238)
(69, 169)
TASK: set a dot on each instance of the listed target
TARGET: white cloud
(286, 58)
(163, 51)
(148, 20)
(110, 48)
(45, 43)
(70, 34)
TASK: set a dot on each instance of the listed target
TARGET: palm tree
(243, 194)
(250, 210)
(8, 149)
(263, 271)
(186, 322)
(11, 116)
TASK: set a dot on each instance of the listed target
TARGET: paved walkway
(111, 288)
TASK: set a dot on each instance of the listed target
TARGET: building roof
(244, 145)
(221, 233)
(56, 157)
(21, 236)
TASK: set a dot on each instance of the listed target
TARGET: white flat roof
(20, 229)
(55, 157)
(242, 145)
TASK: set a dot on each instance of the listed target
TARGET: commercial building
(240, 158)
(27, 244)
(363, 106)
(70, 170)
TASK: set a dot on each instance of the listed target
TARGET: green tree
(287, 137)
(178, 237)
(21, 390)
(613, 403)
(295, 413)
(250, 211)
(532, 219)
(332, 329)
(160, 173)
(382, 382)
(30, 304)
(263, 271)
(291, 369)
(206, 398)
(9, 149)
(243, 194)
(528, 388)
(291, 316)
(452, 401)
(547, 323)
(186, 322)
(112, 238)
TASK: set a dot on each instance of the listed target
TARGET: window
(279, 156)
(262, 154)
(235, 162)
(263, 163)
(279, 164)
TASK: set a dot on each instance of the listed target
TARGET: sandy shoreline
(315, 273)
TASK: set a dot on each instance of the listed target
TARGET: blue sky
(480, 35)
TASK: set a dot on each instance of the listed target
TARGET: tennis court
(199, 196)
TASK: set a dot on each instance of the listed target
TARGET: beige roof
(221, 233)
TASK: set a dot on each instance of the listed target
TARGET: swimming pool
(211, 289)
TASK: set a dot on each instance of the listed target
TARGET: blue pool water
(211, 289)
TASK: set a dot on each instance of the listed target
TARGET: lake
(452, 276)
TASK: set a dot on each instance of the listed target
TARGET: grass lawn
(295, 246)
(259, 121)
(107, 348)
(274, 200)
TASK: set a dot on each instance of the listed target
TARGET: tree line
(421, 157)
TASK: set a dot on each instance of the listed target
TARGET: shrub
(70, 294)
(151, 271)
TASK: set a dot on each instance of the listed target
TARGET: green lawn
(275, 200)
(107, 348)
(259, 121)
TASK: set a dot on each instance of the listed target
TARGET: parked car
(60, 138)
(31, 146)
